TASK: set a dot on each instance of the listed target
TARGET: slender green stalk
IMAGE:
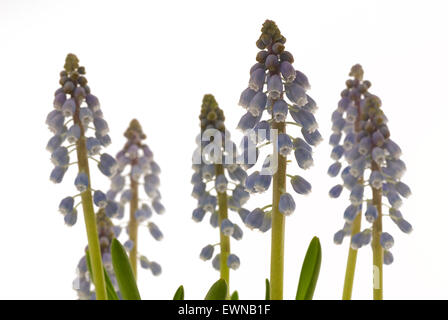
(376, 246)
(224, 240)
(278, 223)
(89, 216)
(351, 262)
(133, 226)
(356, 228)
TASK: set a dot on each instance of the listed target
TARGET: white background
(154, 61)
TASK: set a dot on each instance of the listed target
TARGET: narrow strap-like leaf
(234, 295)
(123, 272)
(110, 290)
(310, 271)
(218, 291)
(268, 290)
(179, 295)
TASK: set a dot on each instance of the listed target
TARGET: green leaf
(234, 295)
(218, 291)
(110, 290)
(179, 295)
(123, 272)
(310, 271)
(268, 290)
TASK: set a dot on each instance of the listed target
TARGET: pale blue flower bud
(73, 133)
(335, 138)
(69, 107)
(243, 213)
(221, 183)
(240, 195)
(111, 209)
(312, 138)
(393, 148)
(262, 183)
(54, 143)
(99, 198)
(275, 87)
(300, 143)
(376, 179)
(155, 231)
(227, 227)
(198, 190)
(126, 196)
(296, 94)
(386, 240)
(214, 220)
(339, 237)
(57, 174)
(358, 166)
(66, 205)
(351, 212)
(378, 155)
(257, 104)
(208, 202)
(237, 232)
(364, 145)
(371, 213)
(248, 121)
(60, 157)
(304, 158)
(86, 116)
(101, 126)
(334, 169)
(286, 204)
(71, 217)
(246, 97)
(155, 268)
(302, 80)
(117, 183)
(233, 262)
(128, 245)
(394, 199)
(207, 252)
(280, 110)
(338, 125)
(377, 138)
(82, 182)
(337, 152)
(356, 194)
(300, 185)
(93, 146)
(267, 223)
(284, 144)
(388, 258)
(349, 141)
(335, 192)
(158, 207)
(92, 102)
(403, 225)
(198, 214)
(257, 79)
(288, 72)
(59, 100)
(108, 166)
(216, 262)
(305, 119)
(254, 219)
(403, 189)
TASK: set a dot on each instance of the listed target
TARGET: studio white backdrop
(154, 61)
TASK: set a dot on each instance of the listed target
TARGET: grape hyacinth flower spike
(136, 168)
(75, 118)
(361, 139)
(277, 87)
(218, 185)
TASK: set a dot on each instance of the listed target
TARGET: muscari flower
(284, 94)
(133, 166)
(217, 177)
(361, 136)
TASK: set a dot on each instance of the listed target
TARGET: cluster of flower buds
(76, 113)
(106, 232)
(217, 174)
(136, 167)
(277, 87)
(361, 136)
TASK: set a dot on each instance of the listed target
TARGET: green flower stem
(278, 223)
(351, 262)
(89, 216)
(224, 240)
(356, 228)
(133, 226)
(376, 246)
